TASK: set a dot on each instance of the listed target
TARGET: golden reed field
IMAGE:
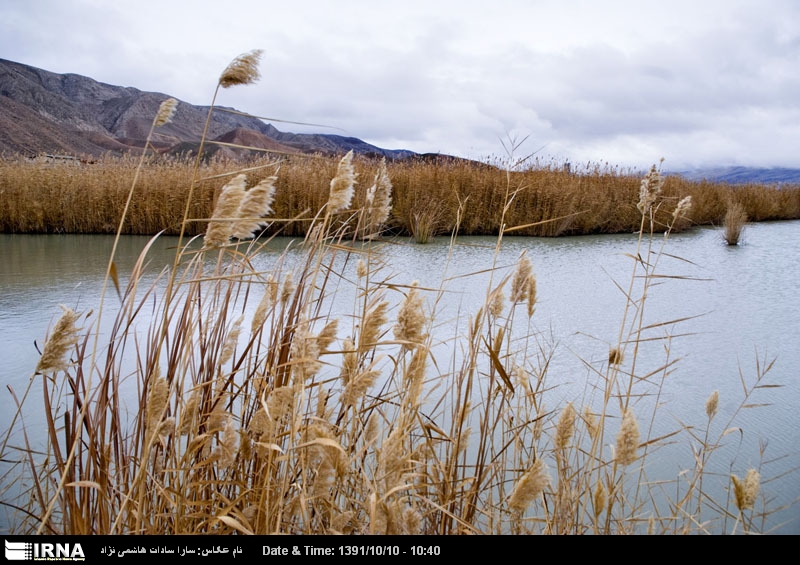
(258, 409)
(432, 196)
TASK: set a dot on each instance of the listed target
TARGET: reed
(429, 197)
(239, 401)
(734, 223)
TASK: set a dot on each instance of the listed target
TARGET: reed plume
(591, 422)
(374, 318)
(378, 201)
(242, 70)
(64, 336)
(497, 301)
(712, 404)
(157, 400)
(228, 445)
(411, 320)
(627, 439)
(220, 228)
(530, 485)
(600, 498)
(522, 274)
(166, 111)
(565, 427)
(683, 207)
(256, 203)
(342, 185)
(649, 189)
(745, 491)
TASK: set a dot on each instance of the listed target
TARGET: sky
(624, 83)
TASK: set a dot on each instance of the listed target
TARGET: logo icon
(25, 551)
(19, 551)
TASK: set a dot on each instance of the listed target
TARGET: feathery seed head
(520, 284)
(531, 292)
(156, 403)
(565, 427)
(219, 232)
(228, 445)
(591, 422)
(165, 112)
(230, 342)
(374, 319)
(538, 425)
(242, 70)
(256, 202)
(529, 486)
(497, 302)
(64, 336)
(411, 319)
(288, 288)
(683, 207)
(712, 404)
(327, 335)
(361, 269)
(342, 185)
(600, 498)
(414, 377)
(305, 353)
(627, 439)
(358, 382)
(379, 200)
(745, 491)
(189, 413)
(649, 189)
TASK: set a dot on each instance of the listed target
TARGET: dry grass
(429, 197)
(734, 223)
(226, 400)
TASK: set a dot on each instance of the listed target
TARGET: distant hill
(45, 112)
(744, 175)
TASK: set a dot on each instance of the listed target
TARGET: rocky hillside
(69, 114)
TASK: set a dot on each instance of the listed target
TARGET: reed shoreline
(430, 197)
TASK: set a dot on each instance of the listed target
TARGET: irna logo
(24, 551)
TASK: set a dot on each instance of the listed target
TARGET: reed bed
(230, 400)
(432, 196)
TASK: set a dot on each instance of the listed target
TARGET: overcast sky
(697, 82)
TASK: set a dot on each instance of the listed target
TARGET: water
(739, 308)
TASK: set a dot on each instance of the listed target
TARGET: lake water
(741, 305)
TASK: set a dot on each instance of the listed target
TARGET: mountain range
(42, 112)
(69, 114)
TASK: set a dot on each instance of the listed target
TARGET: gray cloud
(699, 83)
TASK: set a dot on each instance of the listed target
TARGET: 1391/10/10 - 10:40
(379, 550)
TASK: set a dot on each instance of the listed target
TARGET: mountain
(744, 175)
(45, 112)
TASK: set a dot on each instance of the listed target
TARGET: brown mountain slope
(45, 112)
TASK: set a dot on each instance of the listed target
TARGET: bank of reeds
(241, 401)
(431, 196)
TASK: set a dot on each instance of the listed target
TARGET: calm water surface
(739, 308)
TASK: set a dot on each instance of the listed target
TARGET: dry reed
(427, 198)
(734, 223)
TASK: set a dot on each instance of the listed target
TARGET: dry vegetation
(241, 408)
(733, 223)
(431, 197)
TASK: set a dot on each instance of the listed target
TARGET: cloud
(698, 83)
